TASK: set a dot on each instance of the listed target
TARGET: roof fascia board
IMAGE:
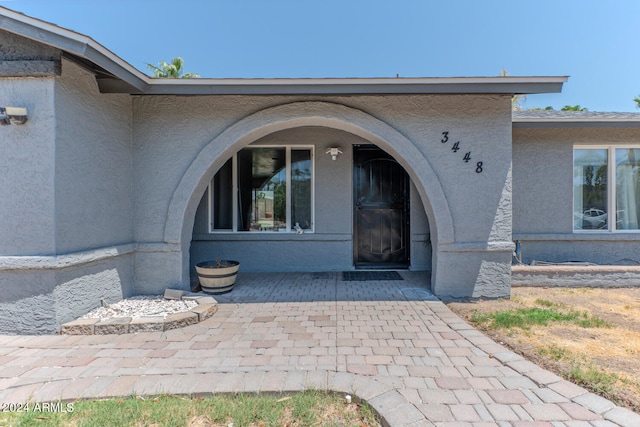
(72, 42)
(382, 86)
(139, 83)
(574, 123)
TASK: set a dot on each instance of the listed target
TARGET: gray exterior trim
(546, 123)
(47, 262)
(619, 236)
(477, 247)
(609, 276)
(249, 237)
(573, 119)
(157, 247)
(61, 261)
(357, 86)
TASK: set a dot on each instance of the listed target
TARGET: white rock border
(205, 308)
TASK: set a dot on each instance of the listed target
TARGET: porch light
(17, 115)
(333, 152)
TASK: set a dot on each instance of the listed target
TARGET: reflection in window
(627, 188)
(606, 183)
(223, 198)
(301, 188)
(262, 189)
(590, 189)
(273, 190)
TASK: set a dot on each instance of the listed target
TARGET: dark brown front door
(381, 211)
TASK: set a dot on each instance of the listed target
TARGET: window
(264, 189)
(606, 188)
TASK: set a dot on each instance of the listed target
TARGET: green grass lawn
(309, 408)
(526, 317)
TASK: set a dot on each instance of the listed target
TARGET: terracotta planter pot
(217, 277)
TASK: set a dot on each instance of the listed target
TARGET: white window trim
(234, 171)
(611, 184)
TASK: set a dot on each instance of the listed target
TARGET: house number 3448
(456, 147)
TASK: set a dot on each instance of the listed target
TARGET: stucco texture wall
(65, 217)
(168, 146)
(38, 300)
(27, 160)
(543, 197)
(93, 175)
(482, 124)
(14, 47)
(27, 170)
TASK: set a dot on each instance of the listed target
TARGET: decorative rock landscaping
(141, 318)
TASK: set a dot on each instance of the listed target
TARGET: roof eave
(356, 86)
(575, 123)
(75, 44)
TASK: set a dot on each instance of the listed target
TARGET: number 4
(456, 147)
(467, 157)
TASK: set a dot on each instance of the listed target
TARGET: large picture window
(606, 188)
(264, 189)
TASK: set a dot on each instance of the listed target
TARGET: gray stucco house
(117, 184)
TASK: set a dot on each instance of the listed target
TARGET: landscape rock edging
(207, 306)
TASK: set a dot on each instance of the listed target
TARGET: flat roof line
(357, 86)
(136, 82)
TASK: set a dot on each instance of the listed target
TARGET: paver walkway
(388, 342)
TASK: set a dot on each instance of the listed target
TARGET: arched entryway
(185, 200)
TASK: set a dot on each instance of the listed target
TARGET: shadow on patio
(327, 286)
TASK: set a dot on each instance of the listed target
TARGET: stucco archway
(185, 199)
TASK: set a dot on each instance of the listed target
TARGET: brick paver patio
(388, 342)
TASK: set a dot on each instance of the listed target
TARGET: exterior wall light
(333, 152)
(17, 115)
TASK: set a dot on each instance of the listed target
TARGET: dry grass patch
(588, 336)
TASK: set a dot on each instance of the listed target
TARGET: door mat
(357, 276)
(323, 276)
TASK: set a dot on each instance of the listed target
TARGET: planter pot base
(217, 277)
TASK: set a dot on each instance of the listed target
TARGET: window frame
(234, 173)
(611, 186)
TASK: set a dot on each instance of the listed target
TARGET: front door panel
(381, 188)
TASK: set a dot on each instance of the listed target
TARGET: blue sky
(596, 43)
